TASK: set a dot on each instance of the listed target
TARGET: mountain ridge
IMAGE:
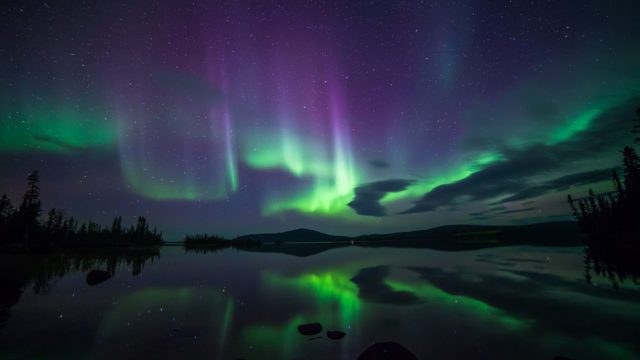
(546, 233)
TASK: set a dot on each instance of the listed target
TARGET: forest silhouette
(612, 222)
(205, 243)
(21, 228)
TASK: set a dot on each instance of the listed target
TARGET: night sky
(348, 117)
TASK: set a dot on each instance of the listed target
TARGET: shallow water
(510, 302)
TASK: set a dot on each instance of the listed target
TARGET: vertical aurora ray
(232, 170)
(222, 157)
(145, 175)
(161, 158)
(316, 145)
(344, 177)
(221, 112)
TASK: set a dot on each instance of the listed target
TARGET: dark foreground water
(511, 302)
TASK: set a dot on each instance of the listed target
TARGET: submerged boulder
(310, 329)
(95, 277)
(335, 335)
(387, 351)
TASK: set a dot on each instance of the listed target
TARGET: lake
(522, 302)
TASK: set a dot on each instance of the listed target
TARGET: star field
(346, 117)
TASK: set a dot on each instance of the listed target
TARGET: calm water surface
(511, 302)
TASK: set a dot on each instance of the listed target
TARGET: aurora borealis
(346, 117)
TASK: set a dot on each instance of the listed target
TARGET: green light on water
(225, 326)
(334, 302)
(474, 306)
(283, 340)
(329, 289)
(125, 309)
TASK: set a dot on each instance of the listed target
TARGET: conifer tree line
(614, 217)
(204, 243)
(25, 227)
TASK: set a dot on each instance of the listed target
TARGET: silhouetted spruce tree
(141, 226)
(30, 211)
(82, 233)
(631, 164)
(5, 207)
(6, 215)
(636, 127)
(612, 221)
(618, 185)
(53, 231)
(116, 226)
(69, 228)
(54, 221)
(574, 210)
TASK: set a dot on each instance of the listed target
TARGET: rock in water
(335, 335)
(387, 351)
(310, 329)
(95, 277)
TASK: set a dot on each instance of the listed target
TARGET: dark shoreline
(305, 242)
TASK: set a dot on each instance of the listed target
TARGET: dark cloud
(379, 164)
(498, 210)
(546, 218)
(498, 179)
(480, 217)
(478, 214)
(561, 183)
(515, 211)
(367, 197)
(511, 176)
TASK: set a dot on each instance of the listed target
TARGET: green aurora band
(319, 156)
(333, 173)
(55, 128)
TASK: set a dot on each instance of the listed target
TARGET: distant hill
(467, 237)
(448, 238)
(298, 235)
